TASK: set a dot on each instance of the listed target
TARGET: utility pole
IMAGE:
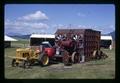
(70, 25)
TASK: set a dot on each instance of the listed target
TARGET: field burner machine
(78, 45)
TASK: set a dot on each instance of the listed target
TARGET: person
(37, 50)
(110, 47)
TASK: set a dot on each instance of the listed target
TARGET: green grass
(98, 69)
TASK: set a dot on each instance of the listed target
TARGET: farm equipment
(71, 45)
(28, 56)
(79, 45)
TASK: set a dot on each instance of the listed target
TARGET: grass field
(99, 69)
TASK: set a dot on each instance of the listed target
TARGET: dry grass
(99, 69)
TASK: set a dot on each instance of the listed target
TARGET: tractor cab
(46, 44)
(47, 47)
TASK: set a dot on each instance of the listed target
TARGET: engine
(66, 43)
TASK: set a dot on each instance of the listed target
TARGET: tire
(44, 60)
(100, 54)
(13, 63)
(32, 62)
(75, 58)
(104, 56)
(97, 54)
(94, 54)
(66, 58)
(25, 64)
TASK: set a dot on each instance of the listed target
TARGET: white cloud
(83, 26)
(59, 26)
(24, 27)
(30, 25)
(35, 25)
(112, 26)
(81, 14)
(104, 28)
(38, 15)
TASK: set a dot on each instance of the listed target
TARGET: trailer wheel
(97, 54)
(94, 53)
(66, 58)
(103, 55)
(44, 60)
(75, 58)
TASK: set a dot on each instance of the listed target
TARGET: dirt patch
(59, 67)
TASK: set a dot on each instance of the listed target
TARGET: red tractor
(62, 50)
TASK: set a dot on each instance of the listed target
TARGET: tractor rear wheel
(44, 60)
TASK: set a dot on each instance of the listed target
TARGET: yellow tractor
(28, 56)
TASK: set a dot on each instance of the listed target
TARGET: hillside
(110, 34)
(20, 36)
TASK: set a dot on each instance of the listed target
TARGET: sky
(47, 18)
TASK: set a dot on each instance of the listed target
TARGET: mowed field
(98, 69)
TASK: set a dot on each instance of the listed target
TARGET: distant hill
(12, 34)
(110, 34)
(15, 35)
(21, 36)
